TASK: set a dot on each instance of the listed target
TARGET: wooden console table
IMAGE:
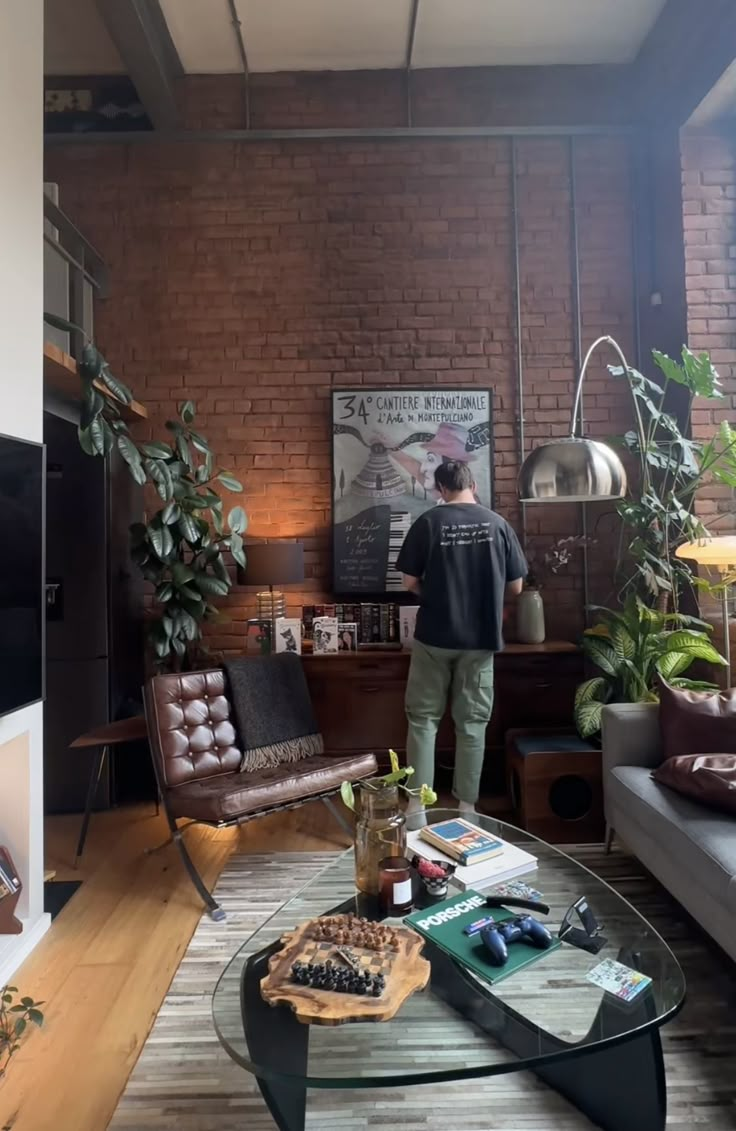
(359, 700)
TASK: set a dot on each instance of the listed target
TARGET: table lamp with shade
(718, 554)
(269, 564)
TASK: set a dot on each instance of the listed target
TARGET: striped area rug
(184, 1080)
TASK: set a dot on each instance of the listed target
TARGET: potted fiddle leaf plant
(380, 822)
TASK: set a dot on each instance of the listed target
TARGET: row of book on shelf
(335, 628)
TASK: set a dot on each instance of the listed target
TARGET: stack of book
(480, 858)
(374, 623)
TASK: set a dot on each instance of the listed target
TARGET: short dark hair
(453, 475)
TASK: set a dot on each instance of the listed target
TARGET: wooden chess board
(404, 969)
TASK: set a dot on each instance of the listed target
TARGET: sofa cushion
(707, 778)
(230, 796)
(700, 839)
(697, 722)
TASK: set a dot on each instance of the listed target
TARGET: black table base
(620, 1086)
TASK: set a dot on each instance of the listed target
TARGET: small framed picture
(288, 634)
(324, 634)
(258, 637)
(347, 637)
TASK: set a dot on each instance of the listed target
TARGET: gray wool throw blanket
(272, 710)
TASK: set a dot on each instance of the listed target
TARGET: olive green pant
(467, 678)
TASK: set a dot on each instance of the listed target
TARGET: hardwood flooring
(104, 967)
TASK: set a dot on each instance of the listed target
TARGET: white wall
(21, 399)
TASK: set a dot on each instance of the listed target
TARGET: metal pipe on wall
(243, 54)
(516, 260)
(578, 342)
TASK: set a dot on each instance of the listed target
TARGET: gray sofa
(690, 849)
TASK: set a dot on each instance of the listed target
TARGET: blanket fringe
(275, 753)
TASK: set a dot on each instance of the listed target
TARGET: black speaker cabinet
(554, 782)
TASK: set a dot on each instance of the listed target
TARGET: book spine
(375, 629)
(365, 624)
(330, 610)
(319, 611)
(354, 611)
(393, 624)
(340, 613)
(385, 618)
(308, 620)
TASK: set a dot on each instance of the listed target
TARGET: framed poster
(386, 444)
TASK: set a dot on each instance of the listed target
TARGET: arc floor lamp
(576, 469)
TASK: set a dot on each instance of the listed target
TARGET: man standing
(462, 561)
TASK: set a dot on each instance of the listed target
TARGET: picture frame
(386, 445)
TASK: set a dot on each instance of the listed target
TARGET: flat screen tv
(22, 589)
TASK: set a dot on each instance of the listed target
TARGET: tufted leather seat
(197, 757)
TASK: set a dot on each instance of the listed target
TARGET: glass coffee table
(603, 1055)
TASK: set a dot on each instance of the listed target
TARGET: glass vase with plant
(380, 822)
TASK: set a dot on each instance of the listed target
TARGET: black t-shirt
(464, 555)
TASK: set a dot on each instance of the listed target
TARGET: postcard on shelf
(324, 635)
(617, 979)
(407, 624)
(258, 637)
(288, 635)
(347, 637)
(463, 841)
(500, 869)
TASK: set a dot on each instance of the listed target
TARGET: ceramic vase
(530, 617)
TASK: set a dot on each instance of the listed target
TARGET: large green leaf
(601, 653)
(623, 643)
(155, 449)
(160, 476)
(186, 411)
(160, 538)
(119, 390)
(212, 585)
(188, 527)
(592, 689)
(63, 324)
(184, 452)
(229, 481)
(199, 442)
(673, 664)
(588, 718)
(236, 549)
(92, 405)
(695, 644)
(131, 455)
(237, 520)
(91, 362)
(164, 592)
(170, 513)
(181, 573)
(218, 565)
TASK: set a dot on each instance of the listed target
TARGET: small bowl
(434, 885)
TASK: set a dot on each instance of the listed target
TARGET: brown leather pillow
(696, 722)
(707, 778)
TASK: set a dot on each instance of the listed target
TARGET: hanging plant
(180, 548)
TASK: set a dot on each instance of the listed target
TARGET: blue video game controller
(522, 928)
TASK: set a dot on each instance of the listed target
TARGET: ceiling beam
(140, 33)
(682, 58)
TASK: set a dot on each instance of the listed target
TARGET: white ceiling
(312, 35)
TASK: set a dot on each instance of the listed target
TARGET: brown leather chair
(197, 762)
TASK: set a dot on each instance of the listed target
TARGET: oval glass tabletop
(460, 1026)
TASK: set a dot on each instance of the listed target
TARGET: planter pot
(380, 831)
(530, 617)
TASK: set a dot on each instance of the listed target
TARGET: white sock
(466, 809)
(416, 813)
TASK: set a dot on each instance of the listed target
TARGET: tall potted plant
(180, 547)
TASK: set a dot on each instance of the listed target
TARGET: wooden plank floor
(108, 959)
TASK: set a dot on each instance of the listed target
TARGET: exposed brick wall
(709, 217)
(254, 277)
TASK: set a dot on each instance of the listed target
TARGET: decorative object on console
(576, 469)
(272, 738)
(258, 636)
(287, 635)
(707, 778)
(269, 564)
(347, 637)
(379, 956)
(544, 562)
(386, 445)
(696, 722)
(718, 554)
(380, 827)
(324, 634)
(408, 621)
(530, 627)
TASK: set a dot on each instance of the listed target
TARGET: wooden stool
(554, 782)
(112, 734)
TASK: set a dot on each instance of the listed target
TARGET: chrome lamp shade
(573, 470)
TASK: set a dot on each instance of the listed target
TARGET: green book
(443, 924)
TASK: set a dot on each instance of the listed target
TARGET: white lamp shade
(717, 552)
